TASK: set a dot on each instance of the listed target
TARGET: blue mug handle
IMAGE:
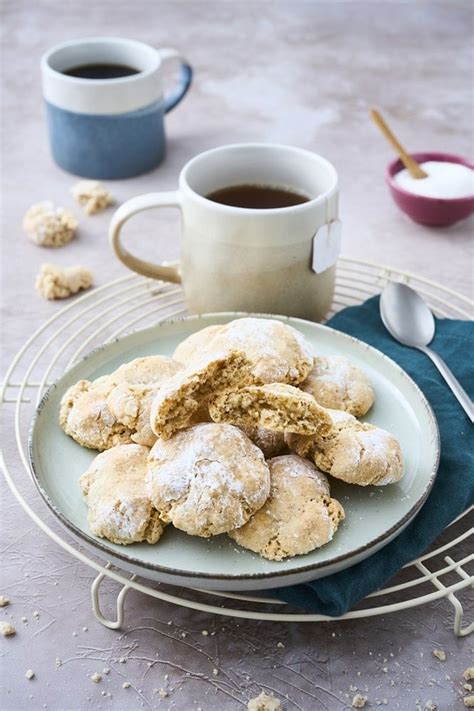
(185, 77)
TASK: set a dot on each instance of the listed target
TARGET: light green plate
(374, 515)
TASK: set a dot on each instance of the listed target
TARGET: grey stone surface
(303, 73)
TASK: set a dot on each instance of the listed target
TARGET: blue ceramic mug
(108, 128)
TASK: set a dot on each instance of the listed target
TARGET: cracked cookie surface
(130, 402)
(298, 516)
(355, 452)
(85, 413)
(114, 489)
(207, 479)
(277, 352)
(339, 384)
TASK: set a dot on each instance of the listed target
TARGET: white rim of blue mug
(154, 57)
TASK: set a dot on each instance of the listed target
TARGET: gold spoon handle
(410, 163)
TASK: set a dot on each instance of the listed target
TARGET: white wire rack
(130, 303)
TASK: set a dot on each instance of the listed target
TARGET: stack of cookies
(235, 434)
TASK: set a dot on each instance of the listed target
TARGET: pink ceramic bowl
(435, 212)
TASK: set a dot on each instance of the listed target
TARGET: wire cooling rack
(130, 303)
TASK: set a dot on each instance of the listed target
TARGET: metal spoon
(409, 320)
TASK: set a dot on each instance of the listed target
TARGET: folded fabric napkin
(453, 490)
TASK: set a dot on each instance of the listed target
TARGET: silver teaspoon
(409, 320)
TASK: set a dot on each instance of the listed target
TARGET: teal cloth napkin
(453, 490)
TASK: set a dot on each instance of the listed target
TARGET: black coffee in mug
(257, 197)
(101, 71)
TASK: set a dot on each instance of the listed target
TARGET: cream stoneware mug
(278, 260)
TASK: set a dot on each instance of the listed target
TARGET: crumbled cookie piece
(337, 383)
(181, 399)
(162, 693)
(114, 489)
(29, 674)
(439, 654)
(297, 517)
(126, 685)
(96, 677)
(48, 226)
(359, 701)
(468, 673)
(92, 195)
(264, 702)
(431, 706)
(54, 282)
(207, 479)
(469, 701)
(467, 687)
(278, 353)
(276, 406)
(4, 601)
(7, 629)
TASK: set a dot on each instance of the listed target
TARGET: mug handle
(185, 78)
(165, 272)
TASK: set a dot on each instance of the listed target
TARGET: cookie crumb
(106, 670)
(24, 620)
(264, 702)
(4, 601)
(54, 282)
(58, 662)
(430, 706)
(36, 615)
(280, 645)
(162, 693)
(439, 654)
(183, 635)
(468, 673)
(126, 685)
(29, 673)
(359, 701)
(96, 677)
(7, 629)
(92, 195)
(469, 702)
(49, 226)
(215, 672)
(467, 687)
(122, 660)
(204, 633)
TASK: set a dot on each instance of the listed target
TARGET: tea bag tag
(326, 246)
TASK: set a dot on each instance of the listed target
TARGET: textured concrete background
(303, 73)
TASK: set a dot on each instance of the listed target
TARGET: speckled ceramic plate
(374, 515)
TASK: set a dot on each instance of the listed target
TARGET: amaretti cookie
(298, 516)
(195, 346)
(355, 452)
(207, 479)
(278, 353)
(130, 402)
(85, 413)
(277, 406)
(180, 401)
(272, 444)
(337, 383)
(114, 489)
